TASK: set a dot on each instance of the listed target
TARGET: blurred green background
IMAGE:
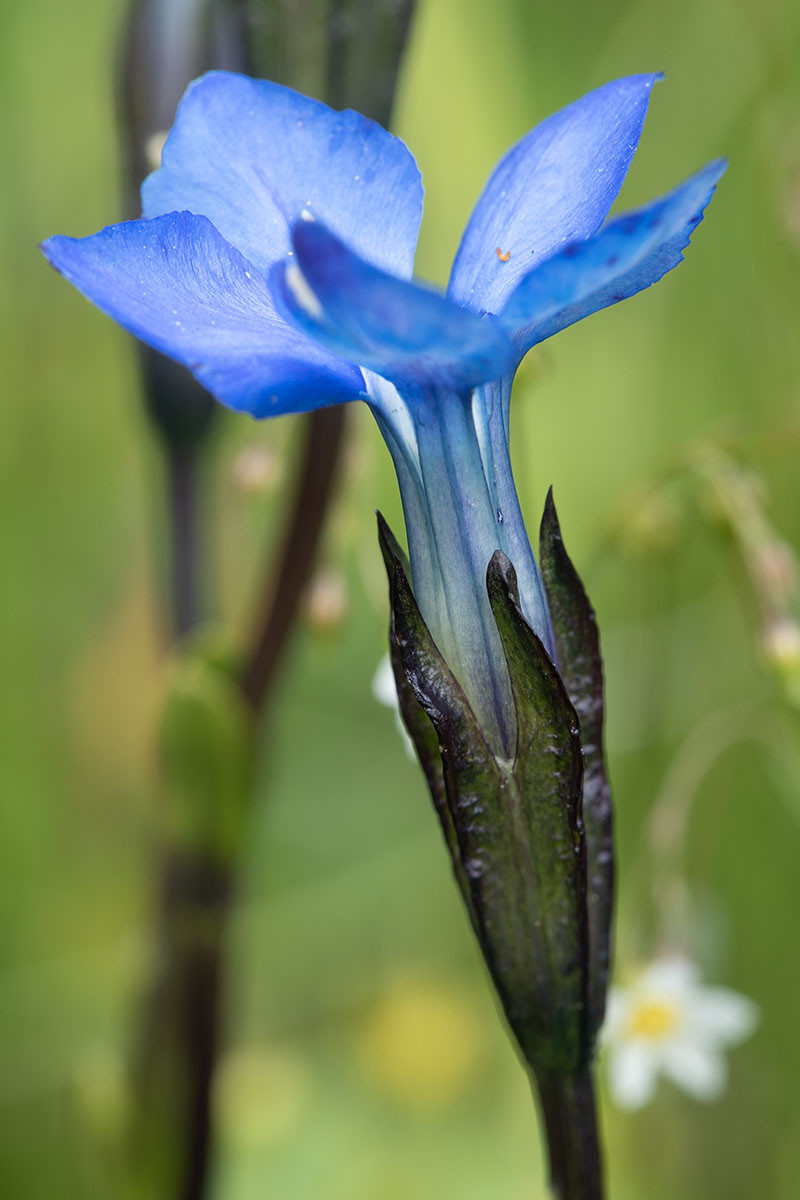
(364, 1055)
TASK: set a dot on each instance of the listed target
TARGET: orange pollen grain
(503, 257)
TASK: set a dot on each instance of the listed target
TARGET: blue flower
(274, 259)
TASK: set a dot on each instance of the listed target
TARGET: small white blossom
(384, 690)
(668, 1022)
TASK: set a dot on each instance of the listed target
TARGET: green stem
(569, 1117)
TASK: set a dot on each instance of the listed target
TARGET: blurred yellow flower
(260, 1095)
(421, 1045)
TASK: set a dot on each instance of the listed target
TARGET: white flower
(669, 1022)
(384, 689)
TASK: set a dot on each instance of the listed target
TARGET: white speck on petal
(306, 215)
(299, 287)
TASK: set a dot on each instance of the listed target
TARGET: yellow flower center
(651, 1018)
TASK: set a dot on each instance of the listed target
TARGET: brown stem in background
(162, 49)
(183, 507)
(180, 1031)
(286, 578)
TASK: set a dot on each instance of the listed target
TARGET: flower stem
(569, 1117)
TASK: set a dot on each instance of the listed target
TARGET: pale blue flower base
(460, 503)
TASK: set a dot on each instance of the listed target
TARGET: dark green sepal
(391, 549)
(547, 775)
(420, 729)
(513, 829)
(581, 667)
(416, 720)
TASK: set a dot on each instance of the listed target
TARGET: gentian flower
(274, 259)
(669, 1022)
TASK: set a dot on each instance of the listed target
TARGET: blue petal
(251, 156)
(407, 333)
(627, 255)
(555, 186)
(175, 283)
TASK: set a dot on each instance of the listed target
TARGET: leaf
(581, 666)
